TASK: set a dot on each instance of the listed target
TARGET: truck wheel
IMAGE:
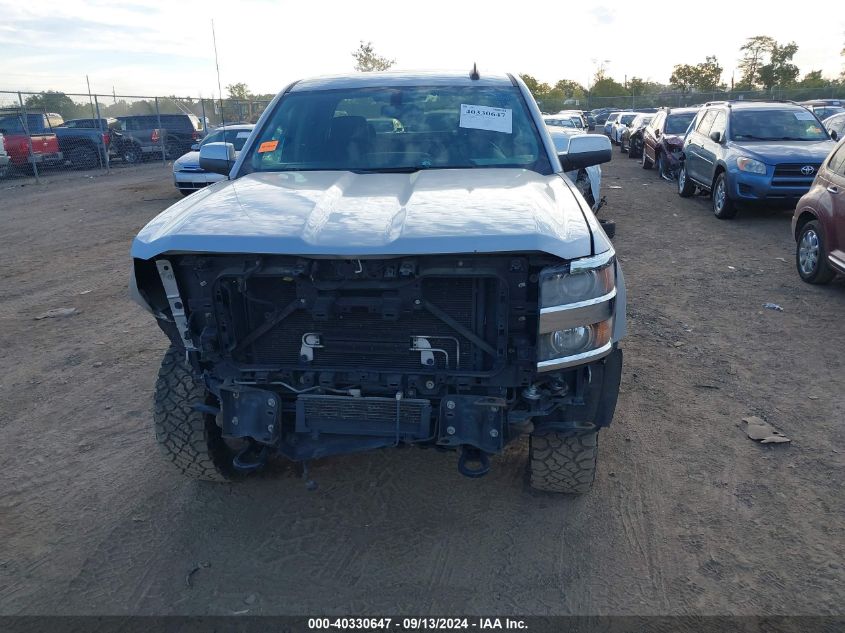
(172, 150)
(83, 157)
(132, 154)
(563, 462)
(189, 438)
(685, 186)
(810, 255)
(646, 163)
(723, 207)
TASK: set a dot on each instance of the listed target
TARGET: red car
(819, 222)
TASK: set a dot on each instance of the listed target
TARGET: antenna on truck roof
(219, 89)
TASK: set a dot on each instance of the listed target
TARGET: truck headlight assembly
(576, 311)
(750, 165)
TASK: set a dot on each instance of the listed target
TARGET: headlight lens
(750, 165)
(576, 311)
(574, 341)
(560, 286)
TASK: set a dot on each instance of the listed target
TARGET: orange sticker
(268, 146)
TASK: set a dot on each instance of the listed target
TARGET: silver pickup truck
(440, 282)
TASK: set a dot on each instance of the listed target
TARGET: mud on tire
(563, 462)
(187, 437)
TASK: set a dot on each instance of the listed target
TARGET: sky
(154, 47)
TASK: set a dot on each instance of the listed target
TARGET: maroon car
(819, 222)
(663, 139)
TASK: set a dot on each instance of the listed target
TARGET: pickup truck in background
(45, 143)
(4, 158)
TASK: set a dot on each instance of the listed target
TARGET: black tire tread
(563, 462)
(824, 273)
(185, 436)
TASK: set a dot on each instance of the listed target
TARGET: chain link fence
(45, 134)
(684, 99)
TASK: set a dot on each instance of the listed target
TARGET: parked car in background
(753, 152)
(554, 120)
(824, 108)
(610, 121)
(835, 126)
(577, 117)
(146, 135)
(632, 135)
(4, 158)
(141, 138)
(663, 140)
(601, 114)
(188, 176)
(620, 125)
(819, 222)
(22, 136)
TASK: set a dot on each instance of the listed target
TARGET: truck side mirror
(716, 137)
(585, 151)
(217, 158)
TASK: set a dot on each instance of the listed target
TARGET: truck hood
(774, 152)
(338, 213)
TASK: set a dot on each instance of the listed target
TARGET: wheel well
(720, 169)
(803, 219)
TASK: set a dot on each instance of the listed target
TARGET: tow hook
(250, 459)
(473, 455)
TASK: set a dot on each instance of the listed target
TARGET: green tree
(607, 87)
(238, 91)
(571, 89)
(754, 53)
(367, 60)
(59, 102)
(814, 80)
(683, 77)
(703, 77)
(780, 71)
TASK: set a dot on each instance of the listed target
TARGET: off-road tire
(563, 462)
(187, 437)
(821, 272)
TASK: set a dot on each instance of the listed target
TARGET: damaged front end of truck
(310, 357)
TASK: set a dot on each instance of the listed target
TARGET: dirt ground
(688, 516)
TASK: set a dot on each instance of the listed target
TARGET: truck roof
(400, 78)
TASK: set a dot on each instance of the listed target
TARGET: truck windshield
(439, 127)
(776, 125)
